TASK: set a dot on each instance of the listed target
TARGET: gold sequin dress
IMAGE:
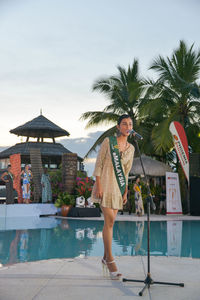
(112, 197)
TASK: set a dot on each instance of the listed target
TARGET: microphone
(137, 135)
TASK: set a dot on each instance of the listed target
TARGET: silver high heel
(114, 275)
(104, 267)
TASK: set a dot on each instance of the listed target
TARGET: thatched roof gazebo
(39, 128)
(152, 167)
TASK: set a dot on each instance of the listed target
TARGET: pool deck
(134, 218)
(82, 278)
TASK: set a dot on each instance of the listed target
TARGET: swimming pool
(76, 238)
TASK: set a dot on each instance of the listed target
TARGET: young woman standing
(8, 178)
(26, 176)
(139, 208)
(112, 167)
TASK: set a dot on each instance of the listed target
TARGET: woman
(46, 187)
(162, 199)
(139, 209)
(112, 167)
(8, 178)
(26, 176)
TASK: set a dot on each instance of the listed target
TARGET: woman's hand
(124, 199)
(99, 190)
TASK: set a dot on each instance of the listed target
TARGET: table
(84, 212)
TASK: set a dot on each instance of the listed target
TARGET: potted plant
(65, 201)
(84, 186)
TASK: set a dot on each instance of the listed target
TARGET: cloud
(3, 148)
(81, 145)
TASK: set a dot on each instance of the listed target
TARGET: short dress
(112, 197)
(26, 192)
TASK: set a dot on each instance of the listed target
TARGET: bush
(65, 198)
(56, 182)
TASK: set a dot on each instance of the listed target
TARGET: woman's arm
(3, 175)
(42, 180)
(99, 190)
(125, 195)
(135, 188)
(100, 158)
(129, 164)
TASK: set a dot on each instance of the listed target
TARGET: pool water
(80, 238)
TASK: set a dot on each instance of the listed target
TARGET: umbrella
(152, 167)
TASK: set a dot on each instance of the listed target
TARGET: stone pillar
(69, 171)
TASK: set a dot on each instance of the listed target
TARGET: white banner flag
(173, 196)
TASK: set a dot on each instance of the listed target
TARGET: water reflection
(72, 238)
(130, 236)
(136, 249)
(23, 246)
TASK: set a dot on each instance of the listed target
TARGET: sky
(52, 51)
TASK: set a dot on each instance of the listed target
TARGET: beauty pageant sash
(119, 173)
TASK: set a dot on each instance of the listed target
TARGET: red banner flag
(15, 161)
(181, 145)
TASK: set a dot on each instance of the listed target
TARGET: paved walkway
(83, 279)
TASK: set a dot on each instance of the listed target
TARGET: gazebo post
(69, 171)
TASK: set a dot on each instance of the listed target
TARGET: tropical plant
(174, 96)
(84, 186)
(56, 182)
(64, 198)
(123, 92)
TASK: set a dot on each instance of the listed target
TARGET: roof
(40, 127)
(46, 149)
(152, 167)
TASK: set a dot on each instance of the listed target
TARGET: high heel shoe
(104, 267)
(104, 262)
(113, 275)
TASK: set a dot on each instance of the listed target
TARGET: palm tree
(124, 92)
(174, 96)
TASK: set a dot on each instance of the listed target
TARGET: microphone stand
(148, 281)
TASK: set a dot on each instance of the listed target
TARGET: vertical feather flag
(181, 146)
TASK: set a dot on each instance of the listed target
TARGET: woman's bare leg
(109, 219)
(28, 188)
